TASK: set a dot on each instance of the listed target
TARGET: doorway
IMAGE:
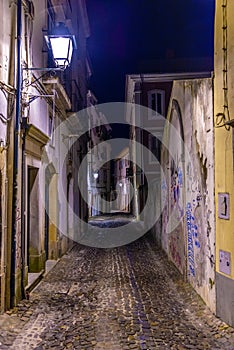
(33, 220)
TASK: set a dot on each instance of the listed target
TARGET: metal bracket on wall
(45, 70)
(230, 123)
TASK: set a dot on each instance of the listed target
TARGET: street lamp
(62, 44)
(95, 175)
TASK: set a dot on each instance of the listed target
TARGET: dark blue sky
(130, 36)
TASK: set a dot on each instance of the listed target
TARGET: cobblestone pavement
(129, 297)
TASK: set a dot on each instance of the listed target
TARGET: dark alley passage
(129, 297)
(116, 175)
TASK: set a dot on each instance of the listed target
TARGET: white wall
(188, 229)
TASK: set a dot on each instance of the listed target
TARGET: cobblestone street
(123, 298)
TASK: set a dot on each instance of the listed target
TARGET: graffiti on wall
(175, 249)
(196, 244)
(190, 224)
(164, 205)
(189, 214)
(164, 192)
(175, 223)
(176, 189)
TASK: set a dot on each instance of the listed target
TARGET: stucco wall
(224, 157)
(188, 232)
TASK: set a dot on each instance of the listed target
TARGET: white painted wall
(188, 228)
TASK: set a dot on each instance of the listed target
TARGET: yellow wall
(224, 167)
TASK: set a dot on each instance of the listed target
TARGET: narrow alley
(128, 297)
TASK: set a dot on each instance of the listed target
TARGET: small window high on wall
(156, 103)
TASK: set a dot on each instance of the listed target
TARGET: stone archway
(176, 242)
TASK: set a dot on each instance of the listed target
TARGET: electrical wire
(223, 117)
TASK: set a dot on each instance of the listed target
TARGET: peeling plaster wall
(188, 228)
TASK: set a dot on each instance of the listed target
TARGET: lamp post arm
(45, 70)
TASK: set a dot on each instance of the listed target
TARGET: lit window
(156, 103)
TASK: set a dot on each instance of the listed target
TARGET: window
(156, 103)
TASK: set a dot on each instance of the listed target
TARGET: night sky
(130, 36)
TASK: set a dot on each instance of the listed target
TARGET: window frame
(153, 110)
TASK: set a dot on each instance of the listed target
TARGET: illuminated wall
(188, 220)
(224, 153)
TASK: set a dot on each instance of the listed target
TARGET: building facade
(224, 158)
(99, 156)
(150, 95)
(176, 131)
(146, 118)
(187, 197)
(196, 226)
(122, 190)
(34, 102)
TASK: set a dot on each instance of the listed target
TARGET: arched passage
(173, 238)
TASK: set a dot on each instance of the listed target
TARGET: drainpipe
(9, 154)
(23, 180)
(135, 189)
(16, 155)
(137, 151)
(4, 251)
(23, 218)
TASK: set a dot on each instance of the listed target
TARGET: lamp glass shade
(62, 44)
(62, 48)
